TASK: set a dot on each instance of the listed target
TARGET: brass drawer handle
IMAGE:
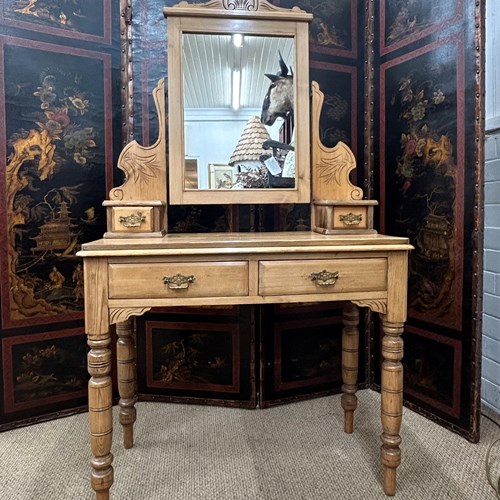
(325, 278)
(179, 281)
(351, 219)
(132, 220)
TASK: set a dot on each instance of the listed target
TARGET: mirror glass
(238, 96)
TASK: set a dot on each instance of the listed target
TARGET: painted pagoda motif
(58, 235)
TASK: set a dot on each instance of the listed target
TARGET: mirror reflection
(238, 111)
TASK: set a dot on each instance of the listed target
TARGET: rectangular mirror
(238, 105)
(225, 119)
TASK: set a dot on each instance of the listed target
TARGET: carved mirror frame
(249, 17)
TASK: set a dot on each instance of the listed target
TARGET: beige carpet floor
(292, 452)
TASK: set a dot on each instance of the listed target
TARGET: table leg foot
(102, 476)
(102, 495)
(391, 458)
(128, 436)
(389, 481)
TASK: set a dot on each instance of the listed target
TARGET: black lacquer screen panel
(427, 118)
(59, 140)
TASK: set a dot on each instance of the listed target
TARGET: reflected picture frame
(220, 175)
(191, 176)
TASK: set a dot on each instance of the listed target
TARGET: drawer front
(131, 219)
(295, 277)
(182, 279)
(350, 217)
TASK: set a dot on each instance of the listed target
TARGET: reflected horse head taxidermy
(278, 101)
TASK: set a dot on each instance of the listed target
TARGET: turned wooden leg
(127, 379)
(350, 347)
(100, 414)
(392, 402)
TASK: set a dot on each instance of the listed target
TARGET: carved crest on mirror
(241, 4)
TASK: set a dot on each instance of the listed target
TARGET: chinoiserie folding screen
(403, 88)
(402, 85)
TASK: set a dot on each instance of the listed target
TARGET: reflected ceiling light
(238, 40)
(235, 101)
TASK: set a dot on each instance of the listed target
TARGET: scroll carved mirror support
(137, 208)
(337, 205)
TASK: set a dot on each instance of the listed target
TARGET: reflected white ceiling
(209, 61)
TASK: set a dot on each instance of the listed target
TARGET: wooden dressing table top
(266, 242)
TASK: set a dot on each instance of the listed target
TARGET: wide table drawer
(294, 277)
(180, 279)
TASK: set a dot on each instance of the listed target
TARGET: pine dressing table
(138, 266)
